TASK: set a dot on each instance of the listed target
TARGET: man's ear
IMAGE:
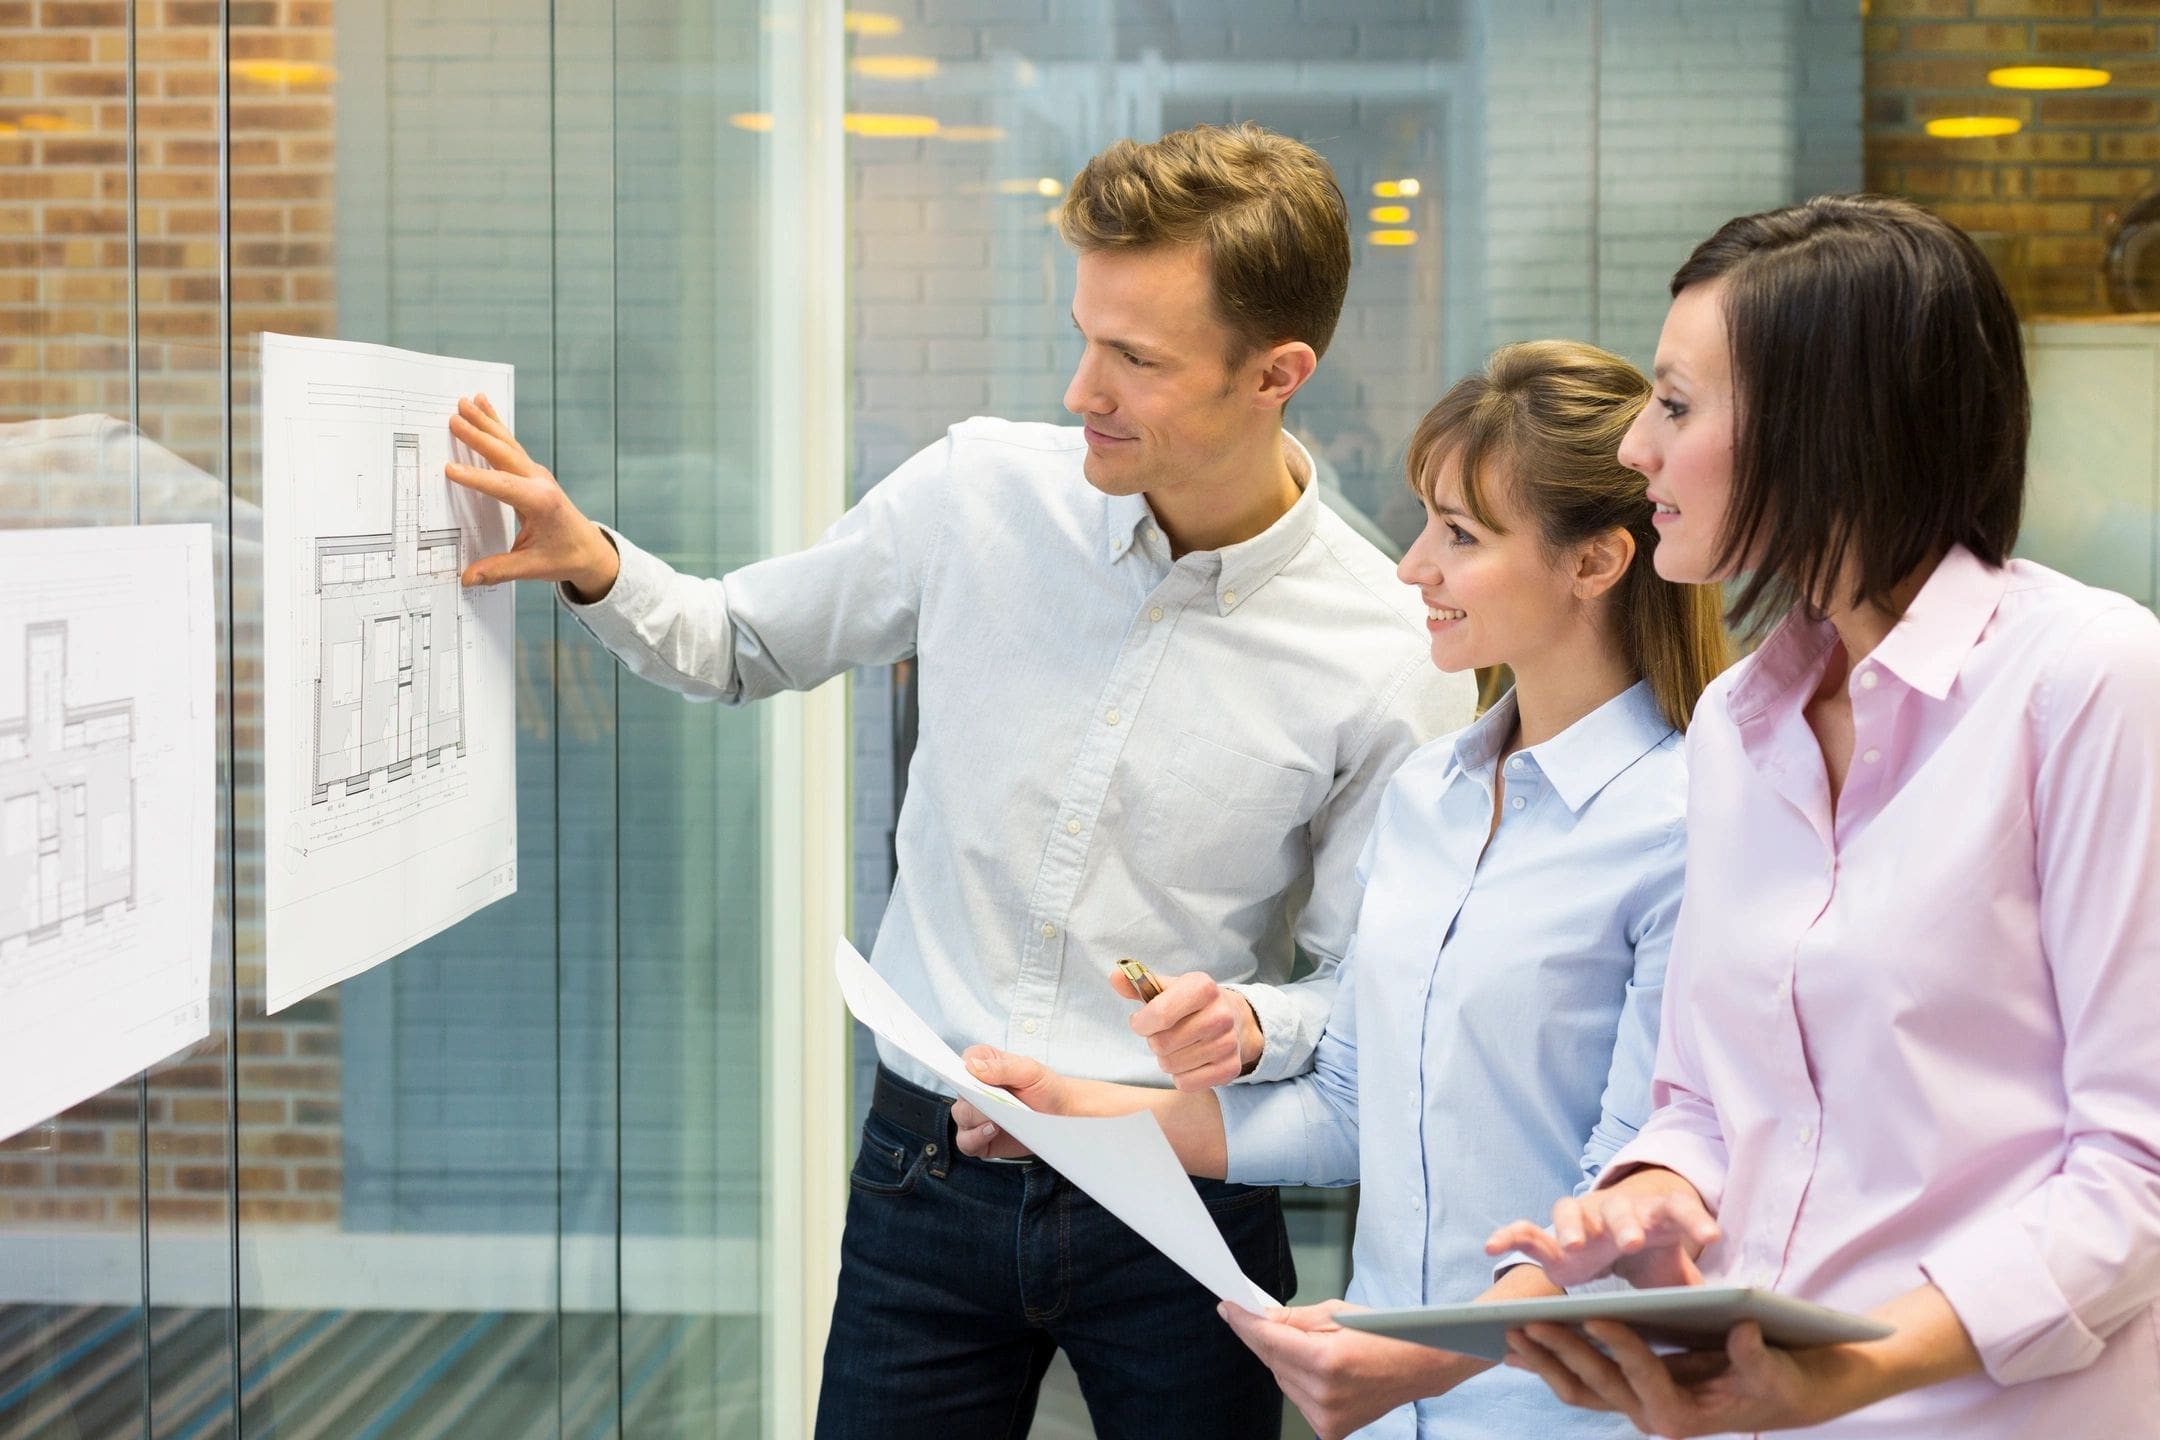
(1284, 369)
(1602, 562)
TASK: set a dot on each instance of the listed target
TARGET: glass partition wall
(575, 1168)
(545, 1174)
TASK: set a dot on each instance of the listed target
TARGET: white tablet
(1694, 1317)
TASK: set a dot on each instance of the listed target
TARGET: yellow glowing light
(889, 127)
(1395, 189)
(870, 22)
(2048, 77)
(894, 67)
(47, 123)
(287, 73)
(751, 120)
(1973, 127)
(1389, 214)
(1393, 237)
(972, 134)
(1046, 187)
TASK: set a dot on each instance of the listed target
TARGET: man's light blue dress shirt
(1494, 1024)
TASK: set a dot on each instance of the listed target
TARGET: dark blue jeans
(960, 1278)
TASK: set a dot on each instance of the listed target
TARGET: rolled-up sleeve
(2040, 1284)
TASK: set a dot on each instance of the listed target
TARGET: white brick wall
(1570, 154)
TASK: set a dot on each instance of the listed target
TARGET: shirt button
(1518, 802)
(1049, 931)
(1807, 1134)
(1072, 827)
(1229, 597)
(1872, 756)
(1867, 679)
(1111, 718)
(1784, 989)
(1029, 1026)
(1515, 764)
(1154, 612)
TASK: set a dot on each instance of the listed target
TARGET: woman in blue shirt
(1492, 1037)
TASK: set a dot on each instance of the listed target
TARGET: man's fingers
(1182, 996)
(510, 565)
(1007, 1072)
(495, 484)
(1123, 986)
(498, 450)
(480, 416)
(1213, 1027)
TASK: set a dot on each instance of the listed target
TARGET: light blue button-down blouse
(1492, 1037)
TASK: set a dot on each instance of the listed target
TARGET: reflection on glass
(461, 1203)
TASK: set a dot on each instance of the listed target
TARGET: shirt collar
(1582, 759)
(1478, 745)
(1925, 649)
(1246, 566)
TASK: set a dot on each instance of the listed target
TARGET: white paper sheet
(1123, 1162)
(108, 817)
(389, 702)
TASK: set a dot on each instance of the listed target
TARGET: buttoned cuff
(1285, 1047)
(1697, 1159)
(613, 618)
(2002, 1290)
(1280, 1135)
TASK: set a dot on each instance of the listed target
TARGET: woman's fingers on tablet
(1567, 1222)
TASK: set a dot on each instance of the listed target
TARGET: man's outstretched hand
(555, 541)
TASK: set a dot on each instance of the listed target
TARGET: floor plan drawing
(108, 815)
(388, 688)
(67, 800)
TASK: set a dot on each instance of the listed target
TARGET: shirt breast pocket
(1221, 820)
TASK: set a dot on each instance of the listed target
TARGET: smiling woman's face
(1682, 443)
(1492, 597)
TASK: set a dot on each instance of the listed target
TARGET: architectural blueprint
(107, 808)
(388, 690)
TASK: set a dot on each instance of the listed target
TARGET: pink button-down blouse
(1918, 1040)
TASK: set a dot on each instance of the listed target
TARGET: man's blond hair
(1266, 207)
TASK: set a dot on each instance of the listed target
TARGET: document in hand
(1123, 1162)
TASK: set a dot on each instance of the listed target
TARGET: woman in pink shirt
(1910, 1062)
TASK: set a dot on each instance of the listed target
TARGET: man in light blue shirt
(1163, 688)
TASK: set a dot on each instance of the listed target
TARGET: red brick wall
(2039, 201)
(64, 349)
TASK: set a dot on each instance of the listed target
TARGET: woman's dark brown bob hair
(1882, 409)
